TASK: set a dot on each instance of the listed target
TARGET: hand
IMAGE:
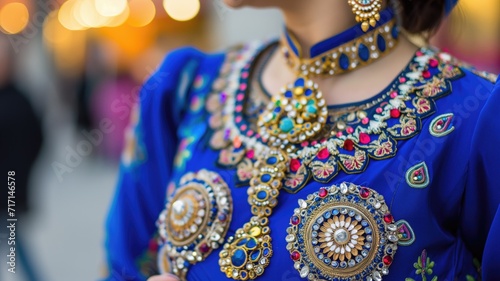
(166, 277)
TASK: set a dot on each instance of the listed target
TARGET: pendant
(194, 222)
(247, 254)
(343, 232)
(367, 12)
(297, 114)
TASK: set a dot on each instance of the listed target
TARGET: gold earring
(367, 12)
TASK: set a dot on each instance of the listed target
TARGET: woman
(376, 161)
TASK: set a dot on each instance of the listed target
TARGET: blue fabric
(455, 219)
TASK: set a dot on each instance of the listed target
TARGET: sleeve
(480, 216)
(146, 164)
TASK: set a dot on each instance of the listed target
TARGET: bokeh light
(119, 19)
(182, 10)
(142, 12)
(88, 15)
(66, 16)
(14, 17)
(110, 8)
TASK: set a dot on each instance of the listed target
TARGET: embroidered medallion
(418, 176)
(194, 222)
(441, 125)
(295, 115)
(343, 232)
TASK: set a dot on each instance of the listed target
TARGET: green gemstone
(278, 103)
(286, 125)
(310, 102)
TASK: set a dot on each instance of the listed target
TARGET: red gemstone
(348, 144)
(433, 62)
(426, 74)
(250, 153)
(388, 218)
(323, 154)
(364, 192)
(395, 113)
(364, 138)
(295, 220)
(295, 256)
(294, 165)
(153, 245)
(322, 192)
(387, 260)
(204, 248)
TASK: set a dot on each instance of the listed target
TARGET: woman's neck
(312, 22)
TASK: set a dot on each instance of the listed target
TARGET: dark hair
(418, 16)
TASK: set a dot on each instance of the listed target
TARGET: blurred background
(68, 66)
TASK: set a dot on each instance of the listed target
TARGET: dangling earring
(367, 12)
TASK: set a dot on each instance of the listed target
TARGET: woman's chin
(235, 3)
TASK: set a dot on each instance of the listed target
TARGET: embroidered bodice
(401, 186)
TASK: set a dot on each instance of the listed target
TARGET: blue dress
(429, 144)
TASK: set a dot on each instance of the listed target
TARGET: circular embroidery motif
(343, 232)
(194, 222)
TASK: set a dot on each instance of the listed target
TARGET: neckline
(336, 40)
(242, 94)
(272, 47)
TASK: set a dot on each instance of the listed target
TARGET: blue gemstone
(186, 264)
(272, 160)
(308, 92)
(239, 258)
(277, 110)
(243, 274)
(288, 94)
(255, 255)
(265, 178)
(363, 52)
(222, 217)
(335, 212)
(344, 61)
(242, 242)
(381, 43)
(265, 252)
(252, 243)
(395, 32)
(300, 82)
(262, 195)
